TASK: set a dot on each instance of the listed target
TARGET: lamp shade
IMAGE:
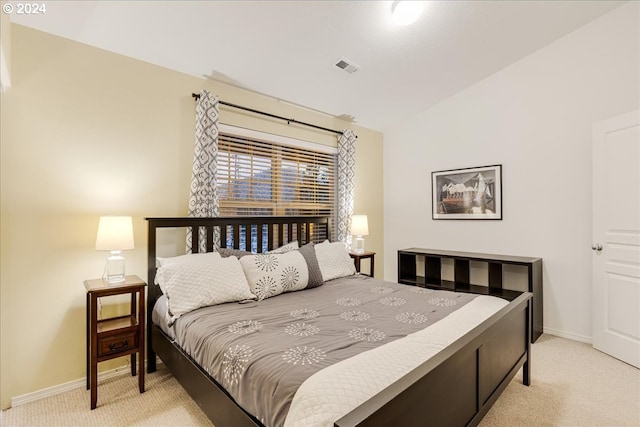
(115, 233)
(359, 225)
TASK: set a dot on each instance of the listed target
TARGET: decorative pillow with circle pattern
(272, 274)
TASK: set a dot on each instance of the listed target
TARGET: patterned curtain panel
(346, 177)
(203, 201)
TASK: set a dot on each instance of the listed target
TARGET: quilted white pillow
(272, 274)
(334, 260)
(200, 280)
(190, 259)
(291, 246)
(181, 258)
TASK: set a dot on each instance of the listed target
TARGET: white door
(616, 237)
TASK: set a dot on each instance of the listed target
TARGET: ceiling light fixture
(406, 12)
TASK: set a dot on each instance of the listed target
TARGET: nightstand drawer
(117, 343)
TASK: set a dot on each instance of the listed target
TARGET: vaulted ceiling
(287, 49)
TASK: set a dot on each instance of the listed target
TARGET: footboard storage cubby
(410, 272)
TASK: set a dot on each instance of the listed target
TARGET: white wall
(533, 117)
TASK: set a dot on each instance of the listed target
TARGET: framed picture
(471, 193)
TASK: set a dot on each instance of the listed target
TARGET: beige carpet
(164, 403)
(573, 385)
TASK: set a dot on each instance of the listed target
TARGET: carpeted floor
(572, 385)
(164, 403)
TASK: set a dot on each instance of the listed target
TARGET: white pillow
(272, 274)
(291, 246)
(334, 260)
(199, 258)
(200, 280)
(163, 261)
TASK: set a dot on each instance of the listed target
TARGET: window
(264, 178)
(259, 176)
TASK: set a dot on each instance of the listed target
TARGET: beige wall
(86, 133)
(5, 49)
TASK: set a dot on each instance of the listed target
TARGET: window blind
(263, 178)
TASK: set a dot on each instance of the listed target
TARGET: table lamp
(359, 228)
(115, 234)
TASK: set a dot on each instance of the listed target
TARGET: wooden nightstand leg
(94, 387)
(141, 374)
(133, 313)
(88, 357)
(372, 268)
(133, 364)
(94, 352)
(141, 318)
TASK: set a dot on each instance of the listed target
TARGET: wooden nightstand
(117, 336)
(358, 257)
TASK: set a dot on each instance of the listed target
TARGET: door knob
(596, 247)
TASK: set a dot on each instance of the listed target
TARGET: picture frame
(468, 193)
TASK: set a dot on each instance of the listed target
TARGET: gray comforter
(261, 352)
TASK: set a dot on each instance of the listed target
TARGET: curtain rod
(289, 121)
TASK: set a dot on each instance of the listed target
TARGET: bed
(455, 386)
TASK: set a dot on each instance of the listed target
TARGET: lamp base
(114, 270)
(358, 245)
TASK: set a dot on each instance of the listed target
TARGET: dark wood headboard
(268, 233)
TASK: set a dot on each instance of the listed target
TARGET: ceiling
(287, 49)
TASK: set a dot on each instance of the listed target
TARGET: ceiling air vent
(346, 65)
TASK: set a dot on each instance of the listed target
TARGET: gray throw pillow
(315, 275)
(238, 253)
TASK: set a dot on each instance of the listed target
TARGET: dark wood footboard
(456, 387)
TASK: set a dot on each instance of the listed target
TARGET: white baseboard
(562, 334)
(71, 385)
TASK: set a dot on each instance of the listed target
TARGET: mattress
(307, 358)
